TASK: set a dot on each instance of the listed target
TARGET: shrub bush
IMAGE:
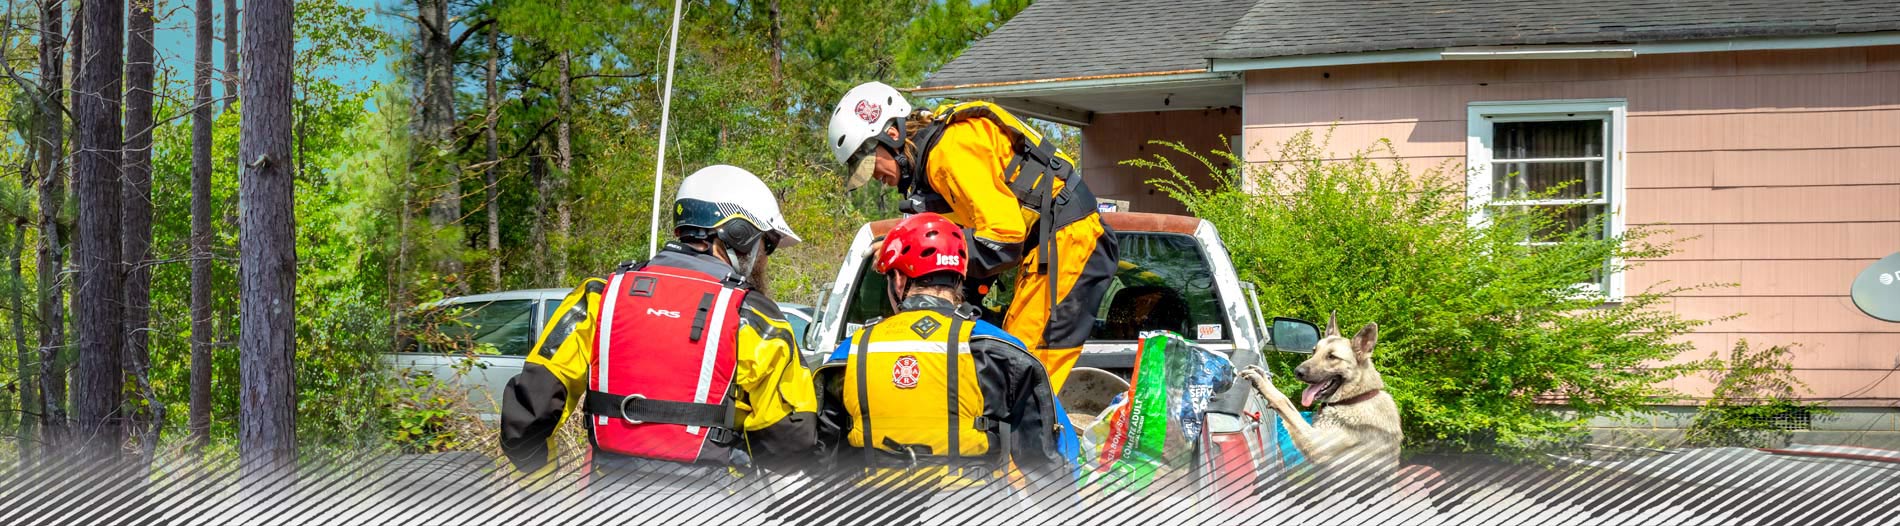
(1486, 341)
(1755, 400)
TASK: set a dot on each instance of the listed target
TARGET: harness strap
(950, 358)
(1047, 221)
(864, 390)
(1003, 442)
(640, 409)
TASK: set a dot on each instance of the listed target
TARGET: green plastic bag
(1136, 446)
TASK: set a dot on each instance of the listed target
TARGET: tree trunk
(199, 420)
(231, 72)
(136, 206)
(51, 254)
(438, 131)
(297, 132)
(489, 175)
(233, 75)
(778, 52)
(777, 41)
(564, 163)
(25, 368)
(538, 229)
(267, 247)
(68, 227)
(99, 385)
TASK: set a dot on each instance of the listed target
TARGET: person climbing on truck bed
(990, 173)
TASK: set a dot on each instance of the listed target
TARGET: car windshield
(506, 327)
(1162, 282)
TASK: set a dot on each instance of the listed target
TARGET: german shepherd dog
(1355, 437)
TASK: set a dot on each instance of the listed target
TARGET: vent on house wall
(1791, 420)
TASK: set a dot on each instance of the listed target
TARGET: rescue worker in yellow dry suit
(1023, 203)
(933, 397)
(682, 367)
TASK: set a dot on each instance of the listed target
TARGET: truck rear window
(1163, 281)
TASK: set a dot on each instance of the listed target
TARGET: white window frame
(1478, 158)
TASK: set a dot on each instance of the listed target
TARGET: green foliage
(364, 178)
(1482, 337)
(432, 415)
(1755, 398)
(342, 308)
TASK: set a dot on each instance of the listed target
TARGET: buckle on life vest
(638, 409)
(722, 437)
(624, 415)
(908, 452)
(969, 311)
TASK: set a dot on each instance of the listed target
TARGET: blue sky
(174, 37)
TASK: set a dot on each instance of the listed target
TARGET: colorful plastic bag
(1154, 427)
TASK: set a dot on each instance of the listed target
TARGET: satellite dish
(1877, 290)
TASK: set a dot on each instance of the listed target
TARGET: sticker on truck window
(1207, 331)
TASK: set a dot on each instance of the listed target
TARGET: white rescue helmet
(716, 195)
(863, 115)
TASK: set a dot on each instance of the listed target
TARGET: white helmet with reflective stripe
(863, 114)
(715, 195)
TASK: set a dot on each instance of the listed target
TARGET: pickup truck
(1174, 274)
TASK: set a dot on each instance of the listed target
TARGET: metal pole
(666, 107)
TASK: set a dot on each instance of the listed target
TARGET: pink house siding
(1784, 167)
(1116, 137)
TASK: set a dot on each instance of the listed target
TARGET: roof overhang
(1076, 100)
(1557, 52)
(1117, 221)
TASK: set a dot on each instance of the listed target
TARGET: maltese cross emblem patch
(905, 372)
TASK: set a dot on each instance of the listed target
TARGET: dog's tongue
(1312, 391)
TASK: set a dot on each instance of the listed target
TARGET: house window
(1565, 156)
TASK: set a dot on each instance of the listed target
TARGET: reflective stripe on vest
(710, 352)
(603, 348)
(905, 386)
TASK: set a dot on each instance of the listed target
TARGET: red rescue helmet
(921, 245)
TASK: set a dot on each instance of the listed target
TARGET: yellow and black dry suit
(1025, 205)
(892, 385)
(777, 389)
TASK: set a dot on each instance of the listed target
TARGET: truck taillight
(1234, 474)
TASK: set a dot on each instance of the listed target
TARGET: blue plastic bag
(1290, 455)
(1195, 375)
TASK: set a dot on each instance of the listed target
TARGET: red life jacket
(660, 384)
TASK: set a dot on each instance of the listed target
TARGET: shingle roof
(1056, 39)
(1275, 28)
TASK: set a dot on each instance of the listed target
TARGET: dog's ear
(1362, 343)
(1332, 324)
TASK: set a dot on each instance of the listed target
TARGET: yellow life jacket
(1040, 176)
(911, 388)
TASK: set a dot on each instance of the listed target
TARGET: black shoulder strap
(864, 391)
(950, 362)
(925, 140)
(919, 196)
